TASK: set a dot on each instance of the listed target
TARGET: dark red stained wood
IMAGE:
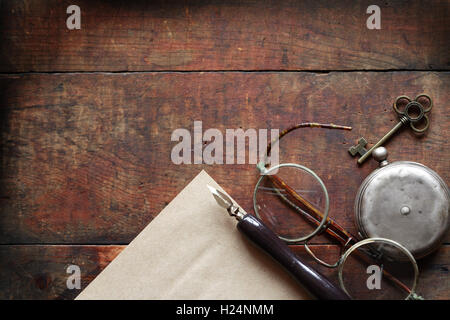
(86, 158)
(39, 271)
(218, 35)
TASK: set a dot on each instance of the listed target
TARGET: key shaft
(386, 137)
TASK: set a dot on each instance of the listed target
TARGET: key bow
(414, 111)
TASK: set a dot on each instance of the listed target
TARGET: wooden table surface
(87, 115)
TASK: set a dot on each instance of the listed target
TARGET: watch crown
(380, 154)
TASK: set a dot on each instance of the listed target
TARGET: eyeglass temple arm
(306, 125)
(332, 228)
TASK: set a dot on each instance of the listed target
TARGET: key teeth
(359, 148)
(353, 151)
(362, 141)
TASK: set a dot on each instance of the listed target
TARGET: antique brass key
(414, 112)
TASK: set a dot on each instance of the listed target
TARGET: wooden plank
(218, 35)
(39, 271)
(86, 158)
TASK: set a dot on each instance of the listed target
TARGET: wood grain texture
(87, 158)
(223, 35)
(39, 271)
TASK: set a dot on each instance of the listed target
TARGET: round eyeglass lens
(378, 269)
(292, 201)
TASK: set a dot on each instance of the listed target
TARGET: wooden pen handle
(313, 281)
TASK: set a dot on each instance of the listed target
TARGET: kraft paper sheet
(192, 250)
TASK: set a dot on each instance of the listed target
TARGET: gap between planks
(225, 71)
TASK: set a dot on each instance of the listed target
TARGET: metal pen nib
(225, 202)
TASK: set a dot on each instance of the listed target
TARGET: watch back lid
(406, 202)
